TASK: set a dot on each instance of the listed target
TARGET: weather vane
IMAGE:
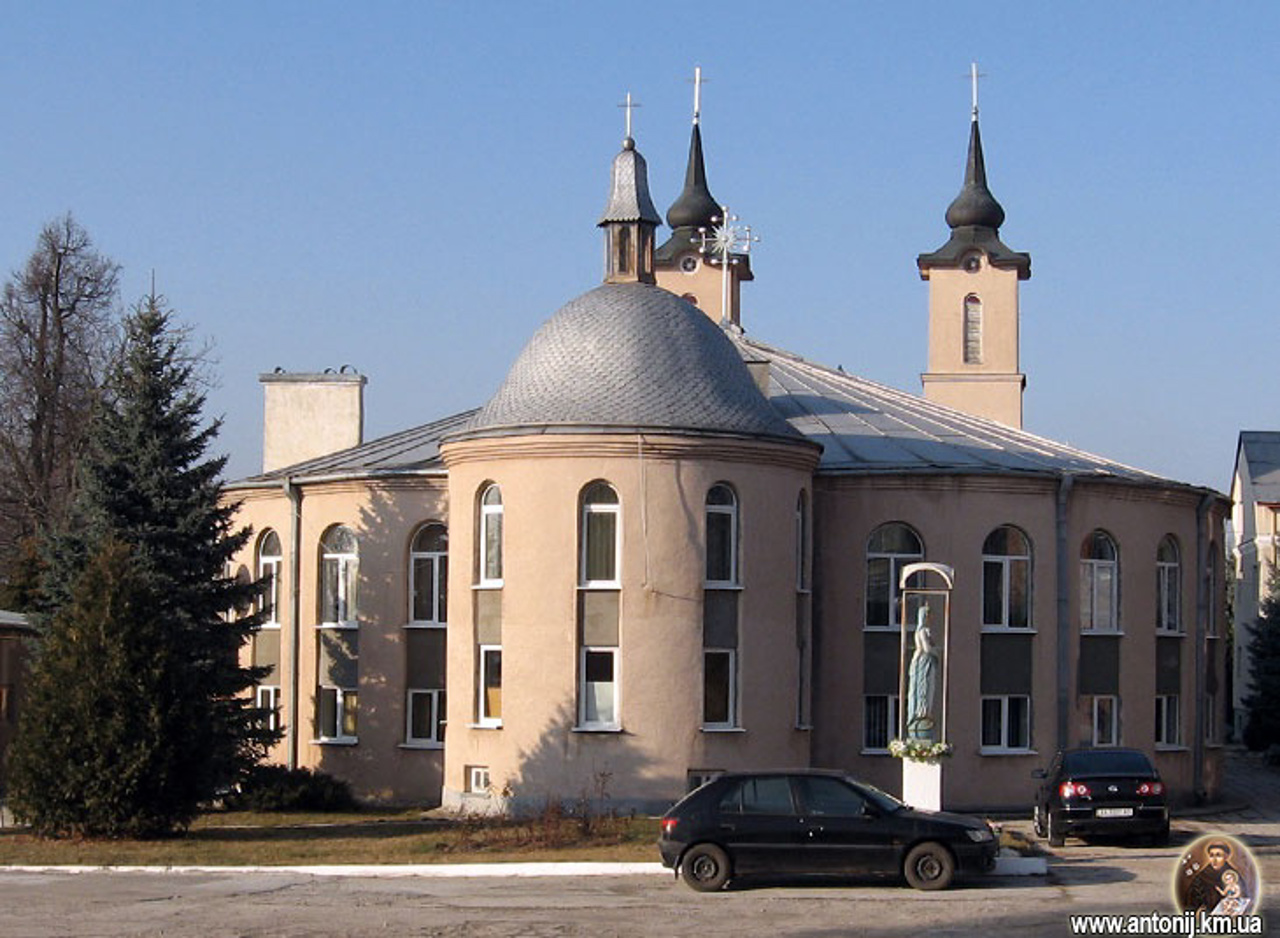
(726, 244)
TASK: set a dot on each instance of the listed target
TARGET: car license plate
(1114, 812)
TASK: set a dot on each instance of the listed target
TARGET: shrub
(276, 788)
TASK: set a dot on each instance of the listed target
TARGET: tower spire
(629, 217)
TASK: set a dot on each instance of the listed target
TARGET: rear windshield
(1106, 762)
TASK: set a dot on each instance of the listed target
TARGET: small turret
(629, 218)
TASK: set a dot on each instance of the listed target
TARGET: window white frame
(1105, 712)
(972, 329)
(599, 504)
(1168, 587)
(879, 722)
(598, 703)
(434, 700)
(1011, 716)
(1099, 584)
(1011, 567)
(489, 668)
(489, 543)
(433, 560)
(731, 690)
(339, 572)
(478, 779)
(895, 562)
(342, 725)
(1168, 720)
(721, 508)
(270, 560)
(267, 697)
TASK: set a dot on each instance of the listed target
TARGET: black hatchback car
(813, 821)
(1101, 791)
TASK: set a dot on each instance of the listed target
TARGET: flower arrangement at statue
(919, 750)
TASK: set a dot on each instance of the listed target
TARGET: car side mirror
(1039, 773)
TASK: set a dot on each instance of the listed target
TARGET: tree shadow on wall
(590, 774)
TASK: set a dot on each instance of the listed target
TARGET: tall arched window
(1099, 584)
(429, 576)
(491, 536)
(1168, 586)
(722, 536)
(802, 541)
(269, 560)
(339, 566)
(890, 547)
(972, 330)
(600, 535)
(1006, 579)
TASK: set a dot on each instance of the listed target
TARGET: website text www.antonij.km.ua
(1159, 923)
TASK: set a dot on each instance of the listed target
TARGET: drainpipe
(1203, 611)
(1065, 485)
(294, 494)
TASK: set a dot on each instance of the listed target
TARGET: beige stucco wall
(662, 484)
(953, 516)
(704, 286)
(309, 415)
(993, 387)
(384, 516)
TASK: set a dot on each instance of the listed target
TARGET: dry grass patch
(246, 839)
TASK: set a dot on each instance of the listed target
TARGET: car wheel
(1037, 822)
(705, 867)
(1056, 837)
(929, 866)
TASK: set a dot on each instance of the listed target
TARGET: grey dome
(631, 356)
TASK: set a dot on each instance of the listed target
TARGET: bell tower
(973, 279)
(630, 219)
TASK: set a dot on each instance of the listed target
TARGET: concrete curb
(1015, 865)
(424, 870)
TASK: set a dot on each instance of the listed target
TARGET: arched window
(600, 534)
(1099, 584)
(802, 541)
(972, 330)
(1006, 579)
(490, 539)
(269, 560)
(1168, 586)
(429, 576)
(339, 565)
(890, 547)
(722, 536)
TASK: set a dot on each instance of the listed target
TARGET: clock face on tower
(972, 262)
(688, 263)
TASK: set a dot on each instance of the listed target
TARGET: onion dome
(695, 207)
(975, 205)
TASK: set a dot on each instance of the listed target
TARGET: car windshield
(885, 802)
(1106, 762)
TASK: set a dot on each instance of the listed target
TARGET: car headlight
(980, 836)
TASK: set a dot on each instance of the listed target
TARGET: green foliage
(276, 788)
(163, 665)
(1263, 728)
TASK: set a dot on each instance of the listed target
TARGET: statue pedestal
(922, 784)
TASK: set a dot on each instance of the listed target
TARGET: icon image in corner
(1217, 875)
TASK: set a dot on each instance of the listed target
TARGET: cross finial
(629, 105)
(697, 93)
(974, 75)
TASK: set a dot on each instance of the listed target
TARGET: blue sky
(412, 188)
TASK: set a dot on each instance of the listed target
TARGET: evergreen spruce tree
(1263, 728)
(137, 714)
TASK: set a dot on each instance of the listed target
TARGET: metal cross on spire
(725, 244)
(974, 75)
(629, 105)
(697, 93)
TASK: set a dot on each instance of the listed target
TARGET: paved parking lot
(1084, 877)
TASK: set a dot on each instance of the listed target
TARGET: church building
(664, 549)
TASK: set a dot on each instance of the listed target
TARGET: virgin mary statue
(922, 683)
